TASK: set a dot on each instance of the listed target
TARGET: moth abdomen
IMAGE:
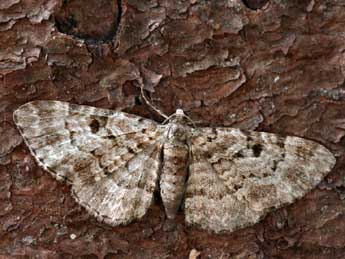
(174, 174)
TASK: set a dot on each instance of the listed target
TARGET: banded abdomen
(174, 170)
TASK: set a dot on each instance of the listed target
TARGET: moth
(223, 179)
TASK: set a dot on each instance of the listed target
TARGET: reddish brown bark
(275, 66)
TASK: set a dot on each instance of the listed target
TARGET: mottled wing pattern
(236, 177)
(111, 159)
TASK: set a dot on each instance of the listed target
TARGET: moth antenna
(168, 118)
(151, 105)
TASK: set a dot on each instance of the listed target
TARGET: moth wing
(237, 177)
(110, 158)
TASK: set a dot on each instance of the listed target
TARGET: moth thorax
(177, 133)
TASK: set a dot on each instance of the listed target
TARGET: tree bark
(275, 66)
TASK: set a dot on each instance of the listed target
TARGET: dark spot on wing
(106, 171)
(274, 166)
(131, 150)
(97, 122)
(141, 145)
(257, 148)
(208, 155)
(94, 125)
(237, 187)
(238, 154)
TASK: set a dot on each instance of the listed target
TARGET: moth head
(179, 113)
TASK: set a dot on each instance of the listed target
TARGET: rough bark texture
(275, 66)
